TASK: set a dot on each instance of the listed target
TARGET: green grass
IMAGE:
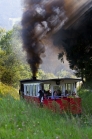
(86, 96)
(21, 120)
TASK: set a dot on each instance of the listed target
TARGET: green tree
(2, 32)
(8, 59)
(2, 68)
(12, 68)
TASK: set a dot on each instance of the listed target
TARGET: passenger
(66, 93)
(49, 92)
(55, 95)
(41, 95)
(59, 93)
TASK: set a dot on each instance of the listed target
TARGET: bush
(8, 90)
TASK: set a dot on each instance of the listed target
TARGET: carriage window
(68, 87)
(28, 90)
(46, 87)
(34, 90)
(31, 90)
(37, 89)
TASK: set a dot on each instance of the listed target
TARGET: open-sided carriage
(56, 94)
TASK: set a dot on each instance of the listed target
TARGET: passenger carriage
(66, 99)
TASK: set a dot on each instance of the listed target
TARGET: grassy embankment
(22, 120)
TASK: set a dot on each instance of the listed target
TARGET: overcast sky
(9, 9)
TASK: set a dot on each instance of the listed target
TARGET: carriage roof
(50, 80)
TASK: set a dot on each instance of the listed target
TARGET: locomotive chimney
(34, 77)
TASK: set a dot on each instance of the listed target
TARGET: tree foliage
(12, 69)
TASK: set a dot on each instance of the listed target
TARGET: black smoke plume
(42, 18)
(39, 19)
(77, 43)
(78, 33)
